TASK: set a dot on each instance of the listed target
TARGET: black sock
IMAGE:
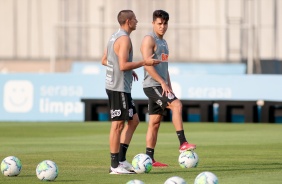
(122, 151)
(114, 160)
(181, 136)
(150, 152)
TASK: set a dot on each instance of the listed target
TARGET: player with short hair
(157, 87)
(119, 76)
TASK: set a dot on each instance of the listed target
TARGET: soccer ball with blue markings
(188, 159)
(142, 163)
(206, 178)
(135, 182)
(175, 180)
(11, 166)
(47, 170)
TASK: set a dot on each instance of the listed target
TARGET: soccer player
(119, 76)
(157, 87)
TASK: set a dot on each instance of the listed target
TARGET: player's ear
(127, 21)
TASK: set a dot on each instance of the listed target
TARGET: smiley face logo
(18, 96)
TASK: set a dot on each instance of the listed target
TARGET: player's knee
(118, 126)
(155, 124)
(134, 123)
(177, 105)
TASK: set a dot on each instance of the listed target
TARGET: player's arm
(122, 49)
(147, 49)
(104, 58)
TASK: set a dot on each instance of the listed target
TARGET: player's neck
(126, 29)
(158, 35)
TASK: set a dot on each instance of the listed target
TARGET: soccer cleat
(126, 166)
(120, 170)
(186, 146)
(158, 164)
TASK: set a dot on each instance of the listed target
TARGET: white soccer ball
(142, 163)
(135, 182)
(206, 178)
(47, 170)
(11, 166)
(188, 159)
(175, 180)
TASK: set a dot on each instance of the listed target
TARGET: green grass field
(236, 153)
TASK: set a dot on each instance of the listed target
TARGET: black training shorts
(157, 101)
(121, 105)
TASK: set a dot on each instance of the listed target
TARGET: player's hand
(166, 89)
(135, 76)
(151, 62)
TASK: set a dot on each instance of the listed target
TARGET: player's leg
(128, 130)
(176, 107)
(156, 112)
(114, 140)
(127, 133)
(152, 131)
(152, 137)
(118, 116)
(125, 140)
